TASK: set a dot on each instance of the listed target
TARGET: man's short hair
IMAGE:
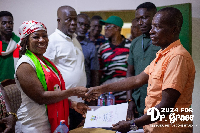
(96, 17)
(83, 14)
(174, 16)
(148, 5)
(5, 13)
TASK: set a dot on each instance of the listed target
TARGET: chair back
(13, 93)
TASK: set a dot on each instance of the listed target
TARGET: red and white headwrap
(29, 27)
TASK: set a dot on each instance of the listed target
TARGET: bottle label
(101, 102)
(110, 102)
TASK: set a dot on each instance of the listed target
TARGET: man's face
(162, 33)
(110, 30)
(83, 24)
(6, 25)
(95, 28)
(144, 19)
(68, 22)
(135, 30)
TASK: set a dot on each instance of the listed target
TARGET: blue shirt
(98, 42)
(91, 59)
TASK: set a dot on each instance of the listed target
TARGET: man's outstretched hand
(93, 93)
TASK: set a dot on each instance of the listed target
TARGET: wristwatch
(129, 100)
(132, 125)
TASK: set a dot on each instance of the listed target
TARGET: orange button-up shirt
(174, 68)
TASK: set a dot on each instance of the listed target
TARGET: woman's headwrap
(29, 27)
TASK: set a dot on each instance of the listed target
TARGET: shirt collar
(145, 36)
(171, 46)
(65, 36)
(85, 41)
(121, 45)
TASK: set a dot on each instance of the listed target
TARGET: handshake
(87, 94)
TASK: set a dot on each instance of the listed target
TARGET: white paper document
(105, 116)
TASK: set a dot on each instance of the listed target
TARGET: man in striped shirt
(113, 55)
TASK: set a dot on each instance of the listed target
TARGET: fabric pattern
(113, 63)
(2, 106)
(9, 55)
(14, 96)
(29, 27)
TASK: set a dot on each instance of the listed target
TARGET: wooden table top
(90, 130)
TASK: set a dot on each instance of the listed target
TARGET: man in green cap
(113, 55)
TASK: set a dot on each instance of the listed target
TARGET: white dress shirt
(66, 53)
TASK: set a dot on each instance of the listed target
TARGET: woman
(7, 117)
(41, 84)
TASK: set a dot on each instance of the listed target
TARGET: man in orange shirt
(170, 78)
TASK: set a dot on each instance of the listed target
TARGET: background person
(113, 55)
(141, 54)
(45, 86)
(135, 30)
(66, 53)
(9, 50)
(170, 78)
(89, 50)
(94, 34)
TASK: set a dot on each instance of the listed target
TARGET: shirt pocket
(155, 85)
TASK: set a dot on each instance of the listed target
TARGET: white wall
(45, 11)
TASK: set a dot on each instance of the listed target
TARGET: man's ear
(118, 28)
(58, 20)
(176, 30)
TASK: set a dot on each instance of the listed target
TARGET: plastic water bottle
(101, 100)
(62, 128)
(110, 99)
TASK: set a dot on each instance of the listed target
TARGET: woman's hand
(80, 107)
(9, 122)
(94, 92)
(79, 91)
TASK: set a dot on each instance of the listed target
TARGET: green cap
(113, 20)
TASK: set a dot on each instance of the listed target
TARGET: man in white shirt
(65, 52)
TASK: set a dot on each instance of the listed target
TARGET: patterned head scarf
(29, 27)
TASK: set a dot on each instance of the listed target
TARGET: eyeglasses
(109, 26)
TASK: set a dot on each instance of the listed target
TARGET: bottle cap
(62, 122)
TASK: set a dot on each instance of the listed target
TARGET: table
(90, 130)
